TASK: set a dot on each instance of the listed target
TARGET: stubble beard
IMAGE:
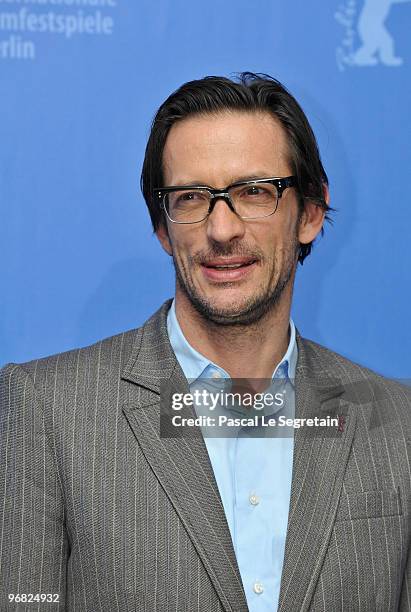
(250, 311)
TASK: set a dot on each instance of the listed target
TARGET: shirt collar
(195, 365)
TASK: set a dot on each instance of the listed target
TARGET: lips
(229, 264)
(228, 269)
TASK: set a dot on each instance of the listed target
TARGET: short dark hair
(250, 93)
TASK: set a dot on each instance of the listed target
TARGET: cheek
(279, 242)
(182, 244)
(288, 232)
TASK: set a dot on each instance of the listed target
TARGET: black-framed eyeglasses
(253, 199)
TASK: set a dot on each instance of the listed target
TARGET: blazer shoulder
(335, 362)
(110, 352)
(359, 380)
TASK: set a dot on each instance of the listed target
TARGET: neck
(251, 351)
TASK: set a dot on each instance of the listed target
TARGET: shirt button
(216, 375)
(258, 588)
(254, 500)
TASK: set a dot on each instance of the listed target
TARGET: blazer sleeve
(405, 597)
(34, 546)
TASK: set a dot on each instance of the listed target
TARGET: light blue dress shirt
(254, 479)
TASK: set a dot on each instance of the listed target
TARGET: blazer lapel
(319, 465)
(181, 464)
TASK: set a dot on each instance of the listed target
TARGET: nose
(223, 224)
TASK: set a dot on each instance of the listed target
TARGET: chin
(231, 312)
(232, 302)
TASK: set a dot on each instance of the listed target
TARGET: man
(104, 510)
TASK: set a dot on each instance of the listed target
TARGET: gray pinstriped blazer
(96, 507)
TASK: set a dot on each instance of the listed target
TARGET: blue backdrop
(80, 81)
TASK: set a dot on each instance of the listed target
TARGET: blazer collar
(152, 360)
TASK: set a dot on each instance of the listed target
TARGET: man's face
(232, 271)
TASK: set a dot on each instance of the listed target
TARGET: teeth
(228, 266)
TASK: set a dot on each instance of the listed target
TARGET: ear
(162, 235)
(312, 219)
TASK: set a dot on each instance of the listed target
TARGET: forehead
(217, 149)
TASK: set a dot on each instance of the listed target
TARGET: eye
(188, 196)
(256, 192)
(253, 190)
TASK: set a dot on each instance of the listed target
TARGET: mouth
(228, 269)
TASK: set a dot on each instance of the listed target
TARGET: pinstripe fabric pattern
(95, 506)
